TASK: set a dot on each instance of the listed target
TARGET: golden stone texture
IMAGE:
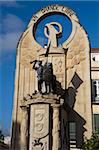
(71, 63)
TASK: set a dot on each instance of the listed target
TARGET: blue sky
(14, 17)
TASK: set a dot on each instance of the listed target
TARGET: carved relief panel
(39, 127)
(59, 68)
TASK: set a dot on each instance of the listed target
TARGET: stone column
(56, 127)
(24, 129)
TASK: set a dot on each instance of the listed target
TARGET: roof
(94, 50)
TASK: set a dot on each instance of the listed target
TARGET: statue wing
(78, 80)
(77, 55)
(29, 48)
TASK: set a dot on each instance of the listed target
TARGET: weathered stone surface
(56, 127)
(24, 128)
(39, 98)
(39, 127)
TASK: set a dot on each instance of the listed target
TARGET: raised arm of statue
(34, 64)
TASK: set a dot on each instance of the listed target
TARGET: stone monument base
(42, 122)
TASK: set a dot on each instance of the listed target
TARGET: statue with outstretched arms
(44, 75)
(37, 65)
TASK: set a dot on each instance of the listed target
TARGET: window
(95, 90)
(72, 130)
(96, 123)
(95, 56)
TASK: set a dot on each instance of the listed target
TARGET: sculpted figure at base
(37, 145)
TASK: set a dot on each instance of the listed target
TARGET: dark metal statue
(48, 77)
(44, 75)
(37, 65)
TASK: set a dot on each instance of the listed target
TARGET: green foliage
(92, 143)
(1, 136)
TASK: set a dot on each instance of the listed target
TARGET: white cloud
(9, 41)
(9, 3)
(11, 30)
(11, 23)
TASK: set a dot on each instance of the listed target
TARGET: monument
(52, 86)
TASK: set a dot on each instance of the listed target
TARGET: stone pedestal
(41, 130)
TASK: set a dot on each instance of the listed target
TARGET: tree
(92, 143)
(1, 136)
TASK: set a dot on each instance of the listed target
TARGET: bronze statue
(44, 75)
(37, 65)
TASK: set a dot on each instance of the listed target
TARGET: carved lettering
(56, 8)
(34, 18)
(49, 8)
(67, 11)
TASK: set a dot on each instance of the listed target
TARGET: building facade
(56, 112)
(95, 88)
